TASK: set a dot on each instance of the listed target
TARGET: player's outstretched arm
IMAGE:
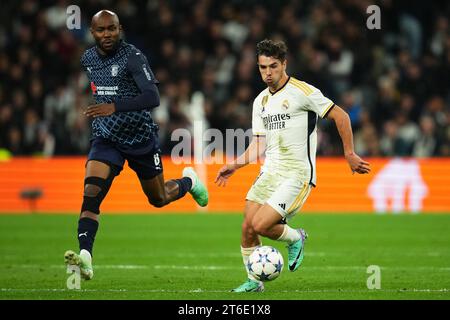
(255, 149)
(343, 124)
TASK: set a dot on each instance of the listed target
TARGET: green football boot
(82, 260)
(198, 190)
(296, 251)
(250, 286)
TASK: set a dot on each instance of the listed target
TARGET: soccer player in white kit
(284, 122)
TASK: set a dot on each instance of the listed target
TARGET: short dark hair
(270, 48)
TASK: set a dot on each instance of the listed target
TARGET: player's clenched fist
(100, 110)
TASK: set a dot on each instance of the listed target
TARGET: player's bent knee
(95, 189)
(157, 202)
(91, 190)
(260, 228)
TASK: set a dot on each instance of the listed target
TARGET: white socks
(289, 235)
(246, 252)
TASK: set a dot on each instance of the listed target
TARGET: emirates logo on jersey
(93, 88)
(276, 121)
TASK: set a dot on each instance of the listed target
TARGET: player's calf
(160, 193)
(266, 222)
(268, 230)
(157, 201)
(173, 190)
(249, 236)
(260, 228)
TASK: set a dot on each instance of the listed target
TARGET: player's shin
(184, 185)
(87, 229)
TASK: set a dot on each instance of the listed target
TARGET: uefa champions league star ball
(265, 263)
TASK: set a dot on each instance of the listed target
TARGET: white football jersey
(288, 120)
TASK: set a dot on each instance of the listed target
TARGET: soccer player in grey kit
(125, 91)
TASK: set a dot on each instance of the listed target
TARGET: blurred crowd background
(393, 82)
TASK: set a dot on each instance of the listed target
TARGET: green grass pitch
(197, 256)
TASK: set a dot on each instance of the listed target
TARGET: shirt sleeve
(319, 103)
(140, 70)
(257, 121)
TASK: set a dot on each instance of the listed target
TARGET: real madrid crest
(285, 104)
(114, 70)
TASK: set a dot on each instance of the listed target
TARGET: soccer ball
(265, 263)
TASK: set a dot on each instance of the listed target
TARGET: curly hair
(270, 48)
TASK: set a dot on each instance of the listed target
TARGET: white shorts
(285, 195)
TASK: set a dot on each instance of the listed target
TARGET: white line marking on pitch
(310, 254)
(237, 267)
(443, 290)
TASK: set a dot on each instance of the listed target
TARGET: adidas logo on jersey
(282, 206)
